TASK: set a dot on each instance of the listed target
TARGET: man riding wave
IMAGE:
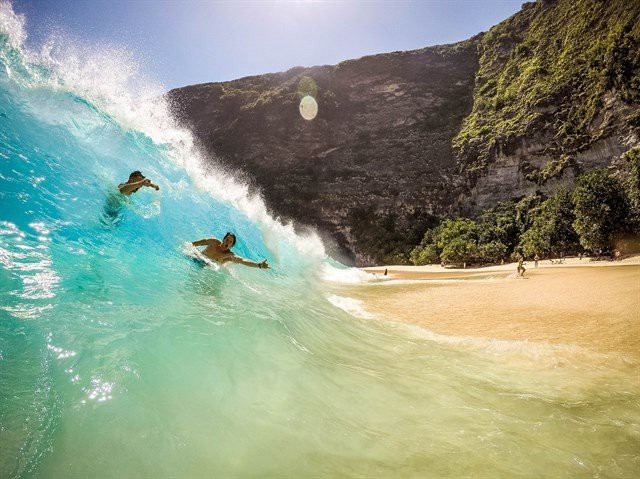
(220, 251)
(134, 183)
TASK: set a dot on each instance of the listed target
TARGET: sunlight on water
(120, 357)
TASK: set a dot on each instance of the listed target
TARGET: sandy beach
(591, 304)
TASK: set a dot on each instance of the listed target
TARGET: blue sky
(187, 42)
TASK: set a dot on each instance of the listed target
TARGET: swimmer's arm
(206, 242)
(246, 262)
(128, 188)
(152, 185)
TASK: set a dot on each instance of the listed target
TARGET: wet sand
(595, 305)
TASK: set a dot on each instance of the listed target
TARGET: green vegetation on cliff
(595, 216)
(628, 174)
(551, 232)
(561, 74)
(600, 209)
(548, 72)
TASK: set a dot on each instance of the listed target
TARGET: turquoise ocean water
(120, 357)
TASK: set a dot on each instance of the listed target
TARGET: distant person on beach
(134, 183)
(521, 269)
(220, 251)
(535, 260)
(385, 271)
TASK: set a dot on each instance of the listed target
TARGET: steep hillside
(557, 91)
(404, 136)
(373, 164)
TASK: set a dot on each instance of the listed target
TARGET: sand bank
(595, 305)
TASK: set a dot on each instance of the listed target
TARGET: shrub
(551, 231)
(422, 255)
(600, 209)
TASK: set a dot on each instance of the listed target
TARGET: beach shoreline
(436, 271)
(589, 304)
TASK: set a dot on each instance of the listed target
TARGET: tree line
(601, 209)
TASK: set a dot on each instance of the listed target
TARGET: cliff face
(557, 92)
(401, 137)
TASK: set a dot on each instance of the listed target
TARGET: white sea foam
(349, 275)
(352, 306)
(12, 25)
(398, 282)
(190, 250)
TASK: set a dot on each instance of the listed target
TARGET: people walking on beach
(521, 268)
(536, 258)
(134, 183)
(220, 251)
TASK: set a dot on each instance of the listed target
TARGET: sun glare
(308, 107)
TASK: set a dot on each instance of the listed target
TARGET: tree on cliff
(551, 232)
(454, 241)
(500, 226)
(427, 251)
(629, 176)
(458, 241)
(600, 209)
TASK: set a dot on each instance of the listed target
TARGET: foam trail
(351, 306)
(332, 272)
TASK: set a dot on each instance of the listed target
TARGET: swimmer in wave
(113, 207)
(220, 251)
(134, 183)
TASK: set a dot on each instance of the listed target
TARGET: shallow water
(591, 307)
(121, 357)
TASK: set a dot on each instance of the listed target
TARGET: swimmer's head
(136, 176)
(228, 241)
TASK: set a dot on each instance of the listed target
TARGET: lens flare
(308, 108)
